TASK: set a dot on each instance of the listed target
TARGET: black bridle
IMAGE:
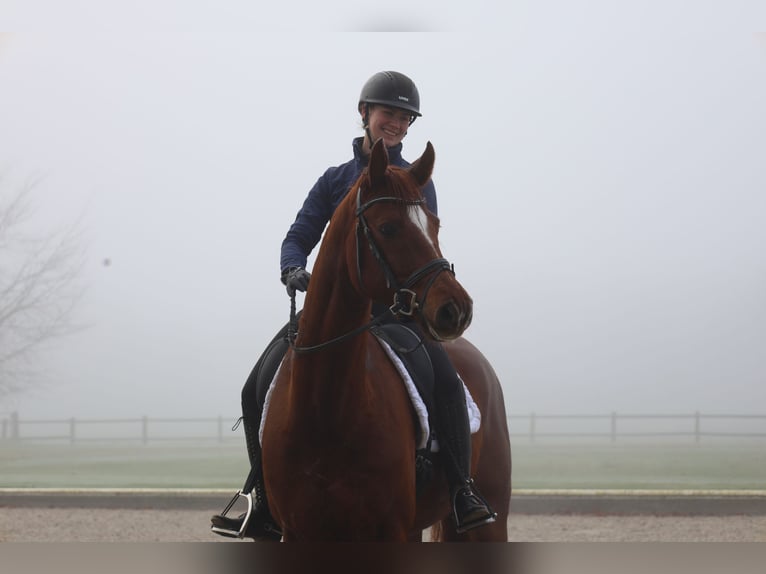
(433, 267)
(405, 299)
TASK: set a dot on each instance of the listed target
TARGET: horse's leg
(415, 536)
(493, 470)
(444, 531)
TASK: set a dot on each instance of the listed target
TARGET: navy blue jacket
(324, 198)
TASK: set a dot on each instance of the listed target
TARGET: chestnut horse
(339, 436)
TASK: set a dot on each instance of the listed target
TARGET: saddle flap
(409, 348)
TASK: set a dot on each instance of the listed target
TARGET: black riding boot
(257, 522)
(469, 508)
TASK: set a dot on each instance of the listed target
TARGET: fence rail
(533, 427)
(694, 425)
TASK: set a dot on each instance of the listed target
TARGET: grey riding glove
(295, 279)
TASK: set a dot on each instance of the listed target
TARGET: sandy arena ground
(124, 525)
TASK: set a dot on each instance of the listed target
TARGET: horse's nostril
(448, 316)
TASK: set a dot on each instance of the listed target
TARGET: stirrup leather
(241, 532)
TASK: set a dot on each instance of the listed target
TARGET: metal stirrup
(241, 532)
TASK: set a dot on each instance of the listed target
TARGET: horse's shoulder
(461, 350)
(474, 368)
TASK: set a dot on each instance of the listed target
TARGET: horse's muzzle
(451, 320)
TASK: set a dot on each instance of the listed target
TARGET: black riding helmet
(390, 89)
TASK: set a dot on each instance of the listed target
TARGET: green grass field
(730, 466)
(733, 466)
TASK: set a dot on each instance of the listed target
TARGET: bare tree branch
(39, 287)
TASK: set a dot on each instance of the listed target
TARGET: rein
(405, 299)
(292, 330)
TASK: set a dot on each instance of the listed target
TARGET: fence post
(144, 429)
(532, 425)
(696, 427)
(72, 425)
(614, 426)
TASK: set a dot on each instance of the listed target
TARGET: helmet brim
(397, 105)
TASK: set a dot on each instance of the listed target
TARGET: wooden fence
(613, 426)
(531, 427)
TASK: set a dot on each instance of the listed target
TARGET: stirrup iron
(470, 487)
(241, 532)
(471, 525)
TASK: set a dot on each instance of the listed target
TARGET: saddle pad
(474, 415)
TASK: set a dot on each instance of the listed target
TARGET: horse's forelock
(396, 182)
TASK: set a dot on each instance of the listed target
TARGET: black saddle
(408, 346)
(405, 342)
(268, 364)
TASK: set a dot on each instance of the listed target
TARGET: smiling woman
(614, 254)
(389, 104)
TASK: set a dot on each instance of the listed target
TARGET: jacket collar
(394, 153)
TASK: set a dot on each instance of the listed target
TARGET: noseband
(405, 299)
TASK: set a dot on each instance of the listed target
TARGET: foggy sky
(599, 166)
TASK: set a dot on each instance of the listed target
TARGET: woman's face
(388, 123)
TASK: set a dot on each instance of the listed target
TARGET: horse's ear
(378, 161)
(423, 167)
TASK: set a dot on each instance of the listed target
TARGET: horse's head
(396, 250)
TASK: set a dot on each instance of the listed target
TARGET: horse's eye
(388, 229)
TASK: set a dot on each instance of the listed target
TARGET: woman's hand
(296, 279)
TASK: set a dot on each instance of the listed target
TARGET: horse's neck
(332, 306)
(333, 376)
(331, 310)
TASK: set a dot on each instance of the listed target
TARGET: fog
(599, 166)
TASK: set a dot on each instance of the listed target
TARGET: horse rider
(388, 104)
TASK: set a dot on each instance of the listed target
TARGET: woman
(389, 104)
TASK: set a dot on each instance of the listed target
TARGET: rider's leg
(453, 430)
(261, 524)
